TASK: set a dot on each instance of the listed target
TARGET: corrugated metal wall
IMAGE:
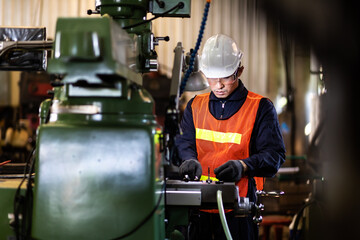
(237, 18)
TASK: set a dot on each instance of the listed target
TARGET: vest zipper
(222, 107)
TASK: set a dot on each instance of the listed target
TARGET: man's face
(223, 87)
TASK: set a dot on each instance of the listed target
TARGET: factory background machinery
(86, 78)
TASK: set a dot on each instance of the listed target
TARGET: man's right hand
(192, 168)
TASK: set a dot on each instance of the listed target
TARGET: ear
(241, 69)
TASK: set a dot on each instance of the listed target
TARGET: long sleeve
(186, 142)
(267, 150)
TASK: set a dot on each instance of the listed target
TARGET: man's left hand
(231, 171)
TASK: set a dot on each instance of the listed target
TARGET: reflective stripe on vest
(218, 141)
(219, 137)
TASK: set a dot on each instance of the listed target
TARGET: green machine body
(98, 164)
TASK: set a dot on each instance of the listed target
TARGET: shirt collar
(238, 94)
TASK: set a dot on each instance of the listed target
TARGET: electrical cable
(197, 46)
(179, 5)
(299, 215)
(145, 219)
(28, 203)
(222, 215)
(297, 219)
(18, 199)
(40, 45)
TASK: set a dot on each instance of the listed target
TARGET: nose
(219, 83)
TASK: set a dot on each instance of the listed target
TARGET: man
(232, 132)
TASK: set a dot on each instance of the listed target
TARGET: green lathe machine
(99, 167)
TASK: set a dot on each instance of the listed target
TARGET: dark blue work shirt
(267, 150)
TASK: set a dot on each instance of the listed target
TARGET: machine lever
(270, 193)
(157, 39)
(166, 38)
(209, 179)
(258, 208)
(90, 12)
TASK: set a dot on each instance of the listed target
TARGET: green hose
(222, 215)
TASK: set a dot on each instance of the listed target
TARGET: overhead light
(197, 80)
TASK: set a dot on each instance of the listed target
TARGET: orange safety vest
(218, 141)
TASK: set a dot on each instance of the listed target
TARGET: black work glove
(231, 171)
(192, 168)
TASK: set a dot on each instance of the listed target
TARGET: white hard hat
(220, 57)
